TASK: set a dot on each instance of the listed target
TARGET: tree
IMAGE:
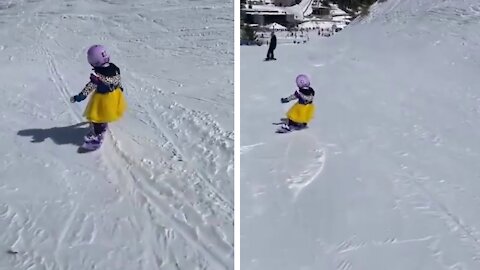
(248, 33)
(353, 5)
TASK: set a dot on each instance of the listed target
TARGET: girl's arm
(289, 98)
(90, 87)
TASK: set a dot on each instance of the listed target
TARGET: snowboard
(282, 121)
(282, 129)
(269, 59)
(91, 145)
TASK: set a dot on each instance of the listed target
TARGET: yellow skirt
(106, 108)
(301, 113)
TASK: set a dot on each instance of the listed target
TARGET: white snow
(387, 175)
(316, 24)
(159, 193)
(275, 26)
(301, 9)
(336, 11)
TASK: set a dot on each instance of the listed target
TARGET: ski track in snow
(148, 197)
(182, 203)
(247, 148)
(427, 203)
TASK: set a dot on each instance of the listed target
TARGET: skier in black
(271, 47)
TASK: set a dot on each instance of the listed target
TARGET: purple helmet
(302, 81)
(97, 56)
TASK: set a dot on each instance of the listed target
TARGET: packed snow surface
(387, 175)
(159, 193)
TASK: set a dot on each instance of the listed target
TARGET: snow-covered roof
(267, 12)
(316, 24)
(265, 8)
(274, 26)
(335, 11)
(341, 18)
(299, 9)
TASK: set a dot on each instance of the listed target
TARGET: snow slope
(159, 194)
(387, 175)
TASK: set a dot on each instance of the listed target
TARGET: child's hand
(284, 100)
(72, 99)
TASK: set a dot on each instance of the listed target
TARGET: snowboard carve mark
(308, 175)
(302, 174)
(247, 148)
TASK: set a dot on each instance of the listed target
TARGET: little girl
(301, 112)
(107, 103)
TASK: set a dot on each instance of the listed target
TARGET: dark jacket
(106, 80)
(304, 95)
(273, 42)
